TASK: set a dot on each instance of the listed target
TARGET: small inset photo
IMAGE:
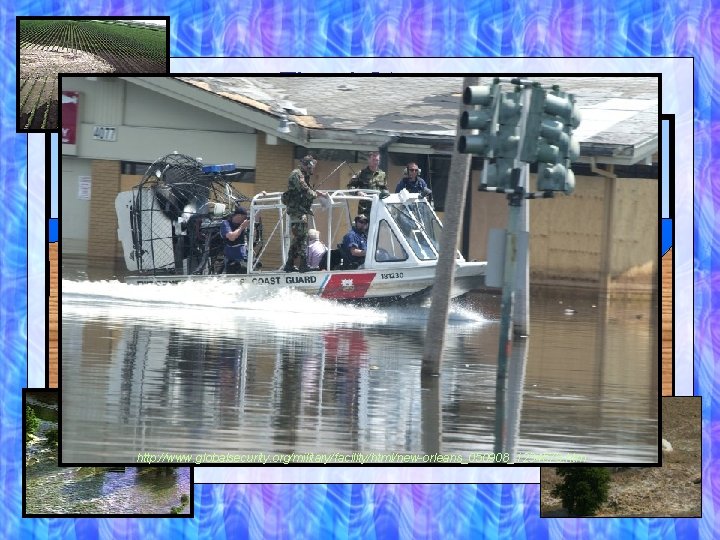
(47, 46)
(110, 491)
(672, 490)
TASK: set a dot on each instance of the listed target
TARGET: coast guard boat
(169, 227)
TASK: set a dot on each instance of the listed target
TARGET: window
(413, 230)
(133, 167)
(435, 170)
(388, 247)
(429, 222)
(437, 178)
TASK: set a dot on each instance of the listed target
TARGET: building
(605, 235)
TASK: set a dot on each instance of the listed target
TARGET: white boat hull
(170, 226)
(361, 284)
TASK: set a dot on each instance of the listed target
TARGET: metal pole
(445, 270)
(506, 308)
(521, 319)
(509, 402)
(517, 222)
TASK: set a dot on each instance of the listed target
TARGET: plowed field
(49, 47)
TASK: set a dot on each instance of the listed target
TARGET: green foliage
(32, 422)
(583, 489)
(184, 500)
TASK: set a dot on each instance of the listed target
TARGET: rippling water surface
(202, 368)
(50, 489)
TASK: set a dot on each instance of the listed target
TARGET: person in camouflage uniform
(298, 200)
(371, 177)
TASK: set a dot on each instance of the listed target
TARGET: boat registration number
(392, 275)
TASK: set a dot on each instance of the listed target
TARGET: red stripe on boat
(348, 285)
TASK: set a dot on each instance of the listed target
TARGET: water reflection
(193, 370)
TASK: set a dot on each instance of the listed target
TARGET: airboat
(169, 227)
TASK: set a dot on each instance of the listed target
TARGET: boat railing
(266, 199)
(337, 199)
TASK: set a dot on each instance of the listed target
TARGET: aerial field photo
(48, 47)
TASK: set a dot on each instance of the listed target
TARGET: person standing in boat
(315, 250)
(354, 244)
(234, 232)
(298, 199)
(371, 177)
(412, 181)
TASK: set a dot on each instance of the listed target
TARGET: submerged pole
(445, 270)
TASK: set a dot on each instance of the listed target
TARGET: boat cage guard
(176, 214)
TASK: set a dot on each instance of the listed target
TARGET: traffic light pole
(512, 323)
(521, 319)
(519, 222)
(514, 130)
(515, 212)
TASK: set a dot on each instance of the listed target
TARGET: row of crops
(52, 46)
(127, 48)
(38, 102)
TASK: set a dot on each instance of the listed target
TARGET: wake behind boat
(169, 226)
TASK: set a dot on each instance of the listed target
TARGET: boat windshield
(419, 226)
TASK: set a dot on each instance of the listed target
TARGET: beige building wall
(603, 235)
(566, 237)
(634, 237)
(273, 164)
(102, 234)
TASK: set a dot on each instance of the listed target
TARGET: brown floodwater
(195, 370)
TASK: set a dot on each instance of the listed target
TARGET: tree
(583, 489)
(32, 422)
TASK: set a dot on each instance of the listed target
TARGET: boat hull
(360, 284)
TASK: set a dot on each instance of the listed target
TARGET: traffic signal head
(562, 105)
(501, 174)
(507, 139)
(479, 95)
(506, 133)
(549, 139)
(483, 119)
(555, 178)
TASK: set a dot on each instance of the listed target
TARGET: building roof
(620, 114)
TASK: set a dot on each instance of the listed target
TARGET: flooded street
(192, 369)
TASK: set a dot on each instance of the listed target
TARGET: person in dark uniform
(412, 181)
(354, 244)
(234, 232)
